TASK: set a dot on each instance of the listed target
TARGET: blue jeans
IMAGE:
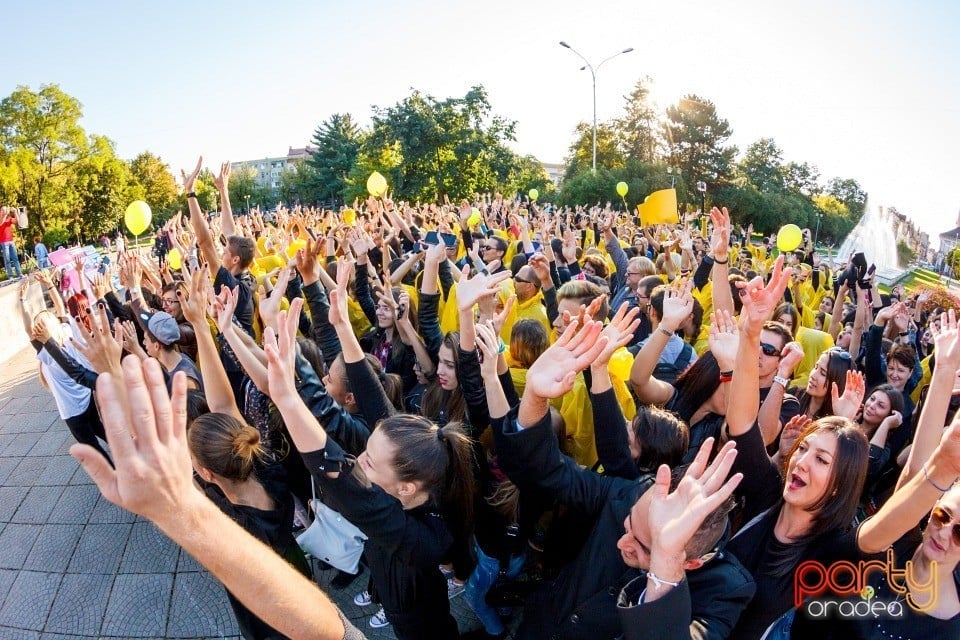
(11, 259)
(480, 582)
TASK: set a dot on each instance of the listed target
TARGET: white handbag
(331, 537)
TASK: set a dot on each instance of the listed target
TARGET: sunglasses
(940, 518)
(837, 351)
(769, 350)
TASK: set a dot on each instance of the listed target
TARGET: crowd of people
(601, 428)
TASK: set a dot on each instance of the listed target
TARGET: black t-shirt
(244, 282)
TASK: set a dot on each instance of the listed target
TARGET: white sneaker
(379, 619)
(447, 573)
(362, 599)
(454, 588)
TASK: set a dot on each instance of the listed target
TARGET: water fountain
(874, 235)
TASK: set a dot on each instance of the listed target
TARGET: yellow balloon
(789, 238)
(137, 217)
(474, 218)
(534, 194)
(622, 189)
(174, 259)
(349, 216)
(376, 184)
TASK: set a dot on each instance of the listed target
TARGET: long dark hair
(837, 367)
(835, 509)
(696, 385)
(438, 402)
(439, 459)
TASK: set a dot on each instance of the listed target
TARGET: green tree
(639, 130)
(453, 147)
(154, 184)
(99, 191)
(528, 173)
(42, 141)
(581, 149)
(801, 177)
(297, 184)
(850, 193)
(695, 137)
(762, 166)
(337, 142)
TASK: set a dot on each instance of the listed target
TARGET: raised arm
(216, 386)
(720, 255)
(677, 306)
(930, 425)
(153, 478)
(227, 224)
(198, 222)
(759, 301)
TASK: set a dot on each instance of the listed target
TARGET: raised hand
(554, 372)
(307, 262)
(339, 315)
(193, 303)
(720, 238)
(189, 181)
(103, 349)
(946, 340)
(223, 308)
(892, 421)
(470, 290)
(790, 357)
(724, 339)
(223, 180)
(677, 306)
(489, 346)
(848, 403)
(791, 431)
(270, 304)
(674, 517)
(760, 300)
(619, 333)
(281, 349)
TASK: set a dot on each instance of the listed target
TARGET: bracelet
(904, 333)
(665, 332)
(191, 194)
(726, 376)
(715, 261)
(935, 485)
(781, 380)
(659, 582)
(503, 347)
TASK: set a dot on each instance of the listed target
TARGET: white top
(72, 398)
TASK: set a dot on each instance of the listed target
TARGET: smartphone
(431, 238)
(402, 309)
(449, 239)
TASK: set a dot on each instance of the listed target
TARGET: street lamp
(816, 234)
(593, 74)
(673, 176)
(247, 198)
(702, 188)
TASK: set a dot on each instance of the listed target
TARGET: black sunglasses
(769, 350)
(839, 352)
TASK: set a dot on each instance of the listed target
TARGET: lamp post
(593, 74)
(673, 176)
(816, 234)
(702, 188)
(247, 198)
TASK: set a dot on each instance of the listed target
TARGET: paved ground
(72, 565)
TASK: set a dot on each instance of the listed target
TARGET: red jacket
(6, 229)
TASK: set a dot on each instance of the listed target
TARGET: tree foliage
(581, 150)
(337, 142)
(638, 130)
(154, 184)
(695, 137)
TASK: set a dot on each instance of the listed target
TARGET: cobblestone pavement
(72, 565)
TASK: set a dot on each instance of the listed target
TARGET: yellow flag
(660, 207)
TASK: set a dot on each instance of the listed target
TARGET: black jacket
(403, 548)
(581, 602)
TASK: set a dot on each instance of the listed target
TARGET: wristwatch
(781, 380)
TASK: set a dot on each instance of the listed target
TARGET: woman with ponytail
(230, 460)
(410, 491)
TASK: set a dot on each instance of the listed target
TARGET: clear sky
(868, 90)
